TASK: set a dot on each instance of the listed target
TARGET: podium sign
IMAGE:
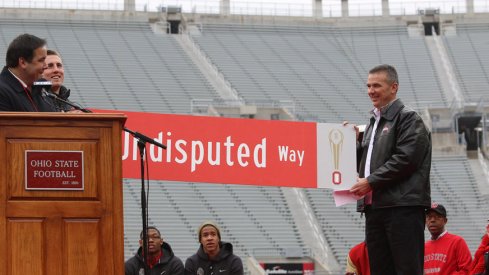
(53, 170)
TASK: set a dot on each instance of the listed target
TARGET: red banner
(241, 151)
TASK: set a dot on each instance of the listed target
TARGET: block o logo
(336, 144)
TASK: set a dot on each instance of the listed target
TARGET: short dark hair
(149, 227)
(24, 46)
(53, 52)
(389, 70)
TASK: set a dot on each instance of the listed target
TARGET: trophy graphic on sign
(336, 143)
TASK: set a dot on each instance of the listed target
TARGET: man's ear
(141, 243)
(22, 62)
(394, 87)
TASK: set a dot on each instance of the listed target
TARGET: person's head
(209, 236)
(25, 57)
(436, 218)
(382, 85)
(54, 71)
(155, 240)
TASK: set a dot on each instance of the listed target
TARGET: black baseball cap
(438, 208)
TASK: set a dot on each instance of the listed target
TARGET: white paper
(342, 197)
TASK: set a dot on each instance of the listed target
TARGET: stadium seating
(254, 219)
(321, 69)
(468, 51)
(124, 65)
(454, 186)
(342, 227)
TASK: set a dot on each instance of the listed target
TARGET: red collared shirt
(154, 260)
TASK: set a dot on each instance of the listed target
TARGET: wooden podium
(61, 194)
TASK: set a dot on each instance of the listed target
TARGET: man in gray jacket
(214, 256)
(394, 177)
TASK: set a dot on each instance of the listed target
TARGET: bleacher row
(468, 52)
(257, 221)
(323, 70)
(125, 66)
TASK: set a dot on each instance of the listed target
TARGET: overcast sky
(263, 7)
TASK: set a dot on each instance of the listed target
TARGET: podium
(61, 209)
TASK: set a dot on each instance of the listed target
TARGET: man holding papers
(394, 178)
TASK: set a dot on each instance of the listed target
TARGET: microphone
(42, 84)
(145, 138)
(45, 85)
(55, 97)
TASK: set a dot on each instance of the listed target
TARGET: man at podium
(25, 59)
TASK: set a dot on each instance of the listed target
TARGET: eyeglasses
(154, 237)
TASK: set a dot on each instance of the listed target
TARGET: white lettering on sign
(290, 155)
(53, 174)
(41, 163)
(203, 152)
(66, 164)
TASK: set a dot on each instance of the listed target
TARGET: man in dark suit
(25, 59)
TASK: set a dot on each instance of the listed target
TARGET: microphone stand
(55, 97)
(142, 140)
